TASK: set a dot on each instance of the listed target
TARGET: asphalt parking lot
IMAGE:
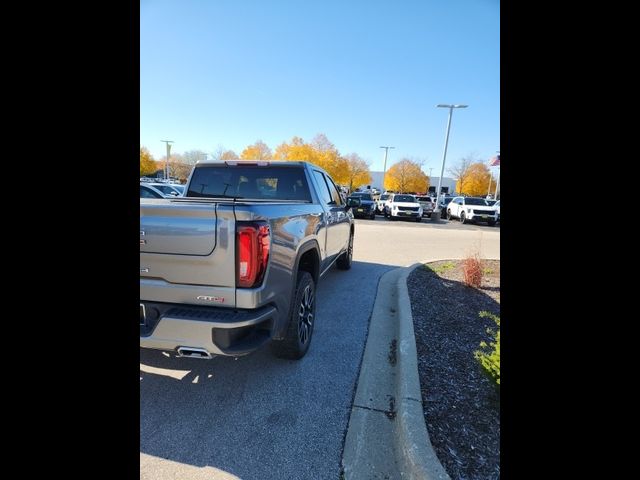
(443, 223)
(258, 417)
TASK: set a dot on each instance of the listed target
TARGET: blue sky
(364, 73)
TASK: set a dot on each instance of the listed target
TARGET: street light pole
(444, 155)
(495, 195)
(384, 174)
(166, 163)
(491, 177)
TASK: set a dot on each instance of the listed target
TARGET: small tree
(193, 156)
(461, 171)
(357, 171)
(257, 151)
(222, 154)
(472, 271)
(406, 176)
(147, 163)
(477, 180)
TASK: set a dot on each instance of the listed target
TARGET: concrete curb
(387, 436)
(412, 437)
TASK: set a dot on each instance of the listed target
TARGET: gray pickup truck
(234, 263)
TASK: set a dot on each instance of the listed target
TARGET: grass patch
(441, 268)
(489, 355)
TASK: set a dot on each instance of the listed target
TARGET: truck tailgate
(187, 242)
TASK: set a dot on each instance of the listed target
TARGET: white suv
(403, 206)
(382, 202)
(471, 209)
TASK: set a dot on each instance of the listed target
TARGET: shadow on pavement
(259, 417)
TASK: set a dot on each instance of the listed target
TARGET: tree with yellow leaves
(460, 171)
(147, 163)
(328, 157)
(294, 151)
(229, 155)
(477, 180)
(320, 152)
(406, 176)
(257, 151)
(357, 171)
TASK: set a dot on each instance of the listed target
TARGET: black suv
(367, 206)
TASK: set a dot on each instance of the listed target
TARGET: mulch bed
(461, 402)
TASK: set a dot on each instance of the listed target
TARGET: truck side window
(335, 194)
(323, 189)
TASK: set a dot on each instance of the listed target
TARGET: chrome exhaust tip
(193, 352)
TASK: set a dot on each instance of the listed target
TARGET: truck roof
(248, 162)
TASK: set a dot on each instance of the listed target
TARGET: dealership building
(448, 184)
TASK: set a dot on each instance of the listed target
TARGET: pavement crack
(393, 349)
(390, 414)
(413, 399)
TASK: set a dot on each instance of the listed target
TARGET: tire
(393, 219)
(344, 260)
(418, 219)
(463, 217)
(373, 216)
(385, 214)
(428, 215)
(302, 314)
(492, 223)
(449, 214)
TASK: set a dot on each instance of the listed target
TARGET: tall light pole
(166, 163)
(492, 164)
(495, 195)
(444, 155)
(384, 174)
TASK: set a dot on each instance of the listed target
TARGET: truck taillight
(252, 247)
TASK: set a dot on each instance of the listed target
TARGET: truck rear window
(250, 182)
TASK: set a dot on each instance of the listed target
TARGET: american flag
(495, 161)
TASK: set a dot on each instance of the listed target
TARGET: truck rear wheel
(344, 260)
(302, 315)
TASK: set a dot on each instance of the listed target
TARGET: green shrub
(489, 355)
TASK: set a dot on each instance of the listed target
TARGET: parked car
(471, 209)
(147, 191)
(367, 207)
(167, 189)
(427, 205)
(403, 206)
(444, 203)
(381, 202)
(180, 188)
(234, 264)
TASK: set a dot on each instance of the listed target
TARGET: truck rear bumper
(219, 331)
